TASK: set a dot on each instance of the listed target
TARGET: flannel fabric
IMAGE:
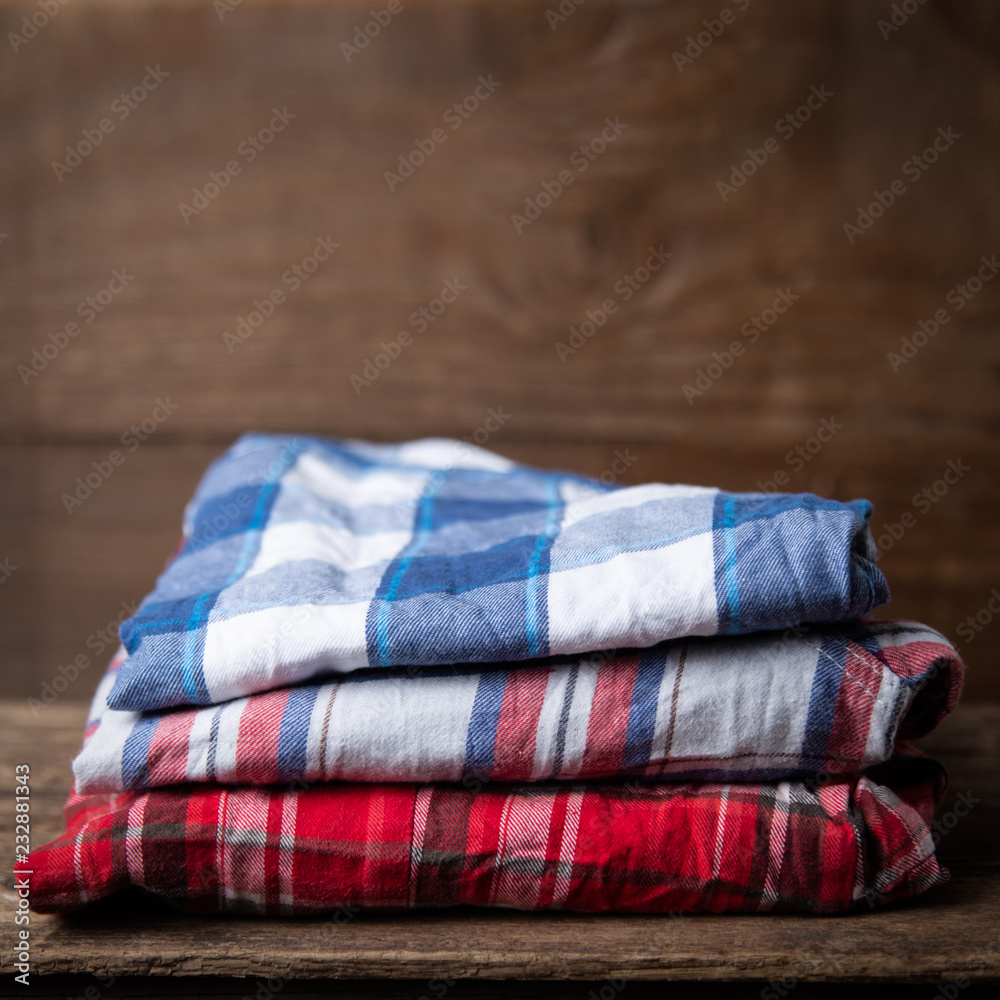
(640, 847)
(303, 556)
(825, 699)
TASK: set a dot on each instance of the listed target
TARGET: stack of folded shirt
(422, 675)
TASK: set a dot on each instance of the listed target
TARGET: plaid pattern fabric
(304, 556)
(827, 699)
(787, 846)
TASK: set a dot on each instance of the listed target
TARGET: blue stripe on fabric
(293, 740)
(536, 610)
(191, 682)
(729, 545)
(135, 753)
(642, 710)
(480, 741)
(831, 659)
(592, 557)
(425, 521)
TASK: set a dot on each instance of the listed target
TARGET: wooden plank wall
(198, 79)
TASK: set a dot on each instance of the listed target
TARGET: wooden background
(162, 337)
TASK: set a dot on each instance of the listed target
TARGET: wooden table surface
(952, 932)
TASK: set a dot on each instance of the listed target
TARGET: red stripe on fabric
(204, 878)
(607, 728)
(557, 833)
(517, 726)
(259, 733)
(915, 658)
(481, 837)
(855, 700)
(272, 856)
(838, 848)
(167, 756)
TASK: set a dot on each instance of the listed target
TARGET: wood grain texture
(217, 987)
(946, 934)
(495, 347)
(655, 184)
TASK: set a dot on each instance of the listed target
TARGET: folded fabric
(304, 556)
(641, 847)
(827, 699)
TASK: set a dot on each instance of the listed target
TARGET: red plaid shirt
(639, 847)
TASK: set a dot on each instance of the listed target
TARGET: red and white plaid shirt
(597, 846)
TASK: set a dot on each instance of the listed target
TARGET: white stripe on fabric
(446, 453)
(274, 647)
(776, 844)
(634, 496)
(421, 807)
(634, 599)
(199, 739)
(399, 729)
(365, 488)
(134, 839)
(766, 706)
(226, 759)
(286, 851)
(578, 720)
(295, 541)
(885, 716)
(548, 724)
(567, 848)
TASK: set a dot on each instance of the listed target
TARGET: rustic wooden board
(654, 184)
(161, 338)
(940, 937)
